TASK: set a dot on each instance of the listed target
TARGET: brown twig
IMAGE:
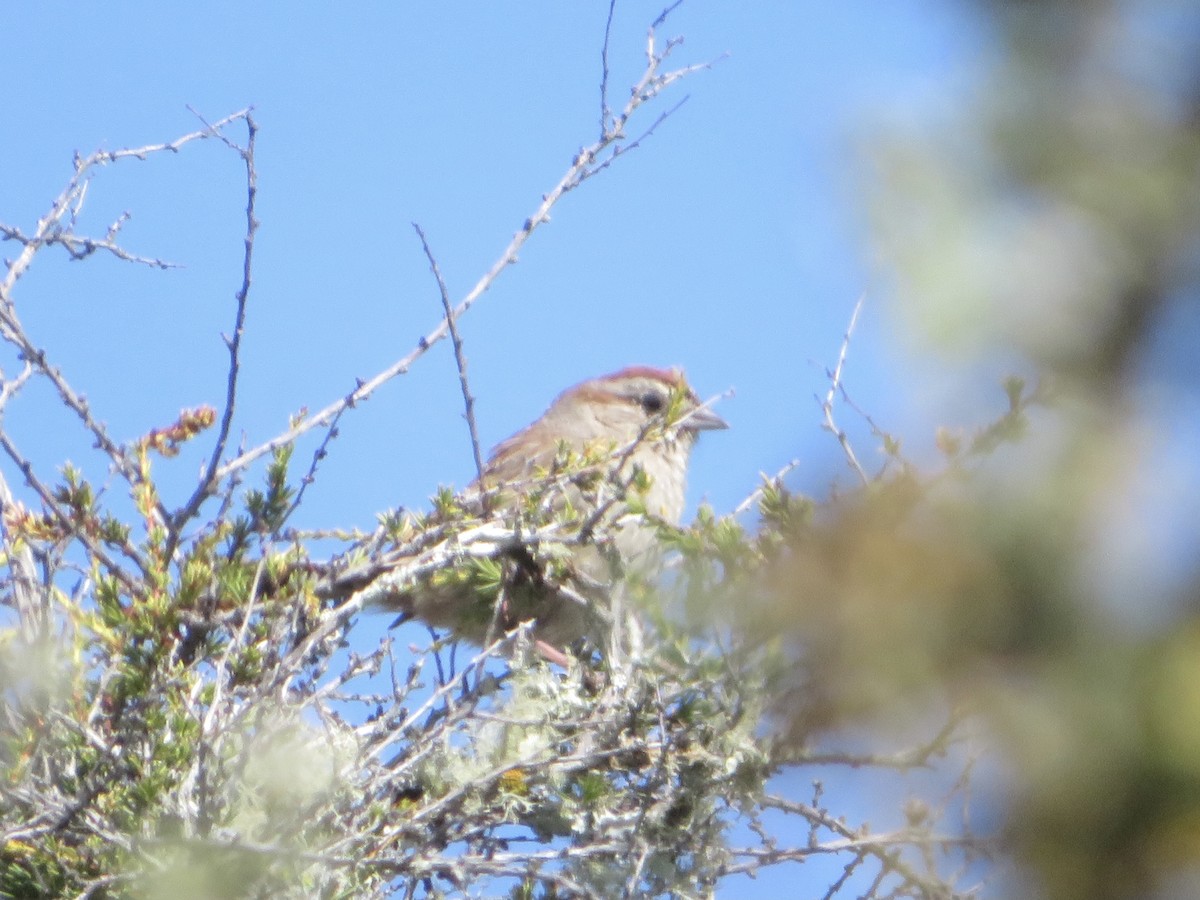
(47, 227)
(208, 479)
(583, 165)
(605, 112)
(50, 231)
(460, 359)
(311, 475)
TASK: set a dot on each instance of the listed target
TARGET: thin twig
(460, 359)
(605, 112)
(621, 150)
(774, 480)
(12, 331)
(835, 381)
(311, 475)
(890, 444)
(70, 528)
(82, 247)
(77, 187)
(50, 230)
(662, 16)
(649, 87)
(882, 846)
(208, 481)
(498, 608)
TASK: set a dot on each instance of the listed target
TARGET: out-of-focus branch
(775, 480)
(885, 846)
(835, 382)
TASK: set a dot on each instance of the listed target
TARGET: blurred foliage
(1051, 212)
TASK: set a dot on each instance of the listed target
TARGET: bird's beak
(702, 419)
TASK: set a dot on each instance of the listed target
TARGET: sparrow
(599, 472)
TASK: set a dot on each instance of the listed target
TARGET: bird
(600, 468)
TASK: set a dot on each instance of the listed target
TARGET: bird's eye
(652, 403)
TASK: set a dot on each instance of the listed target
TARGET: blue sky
(732, 243)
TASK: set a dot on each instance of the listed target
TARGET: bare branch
(75, 190)
(582, 166)
(208, 480)
(460, 359)
(82, 247)
(662, 17)
(775, 480)
(50, 230)
(621, 150)
(69, 527)
(311, 475)
(884, 847)
(918, 757)
(605, 111)
(835, 382)
(11, 330)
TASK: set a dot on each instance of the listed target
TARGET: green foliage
(212, 673)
